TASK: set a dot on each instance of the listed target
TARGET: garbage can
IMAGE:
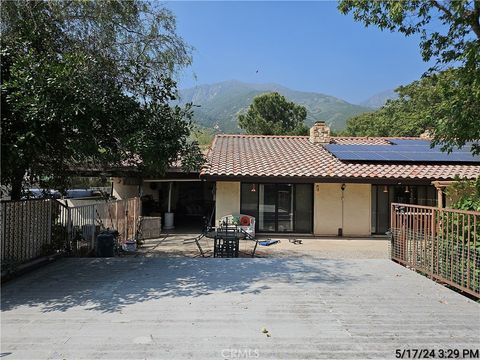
(105, 244)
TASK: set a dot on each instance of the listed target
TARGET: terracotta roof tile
(296, 156)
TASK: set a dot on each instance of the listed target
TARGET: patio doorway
(275, 208)
(280, 207)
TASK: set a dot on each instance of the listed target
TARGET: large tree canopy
(449, 30)
(447, 98)
(273, 114)
(89, 82)
(429, 103)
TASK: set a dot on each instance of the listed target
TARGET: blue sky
(306, 46)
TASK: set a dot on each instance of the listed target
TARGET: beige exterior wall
(122, 191)
(327, 205)
(328, 209)
(227, 199)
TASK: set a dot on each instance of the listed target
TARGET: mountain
(378, 100)
(220, 103)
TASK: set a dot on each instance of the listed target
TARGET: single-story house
(315, 184)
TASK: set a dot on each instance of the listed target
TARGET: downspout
(340, 231)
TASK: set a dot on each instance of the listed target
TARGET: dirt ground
(181, 245)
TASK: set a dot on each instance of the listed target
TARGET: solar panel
(410, 142)
(370, 156)
(401, 150)
(394, 156)
(348, 155)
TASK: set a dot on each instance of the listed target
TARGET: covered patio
(270, 308)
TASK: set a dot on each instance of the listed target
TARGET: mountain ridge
(220, 103)
(377, 100)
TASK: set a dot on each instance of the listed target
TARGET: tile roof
(297, 157)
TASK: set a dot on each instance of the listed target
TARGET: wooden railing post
(433, 240)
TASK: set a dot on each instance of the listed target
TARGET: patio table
(226, 241)
(225, 234)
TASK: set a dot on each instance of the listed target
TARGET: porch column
(439, 197)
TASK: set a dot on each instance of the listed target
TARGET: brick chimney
(320, 133)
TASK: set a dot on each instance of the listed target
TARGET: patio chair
(250, 237)
(243, 222)
(196, 240)
(206, 228)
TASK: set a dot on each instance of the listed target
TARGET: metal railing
(441, 243)
(40, 227)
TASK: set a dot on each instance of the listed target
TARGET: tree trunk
(17, 183)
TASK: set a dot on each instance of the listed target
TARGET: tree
(447, 97)
(273, 114)
(89, 82)
(457, 39)
(464, 194)
(429, 103)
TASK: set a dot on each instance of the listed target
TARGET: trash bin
(105, 244)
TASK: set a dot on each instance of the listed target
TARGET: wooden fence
(26, 229)
(441, 243)
(34, 228)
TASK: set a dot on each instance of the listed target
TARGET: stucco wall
(121, 191)
(227, 201)
(328, 209)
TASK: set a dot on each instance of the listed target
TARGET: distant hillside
(221, 102)
(378, 100)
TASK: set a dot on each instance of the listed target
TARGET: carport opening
(190, 201)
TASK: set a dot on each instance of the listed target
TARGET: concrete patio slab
(172, 245)
(179, 308)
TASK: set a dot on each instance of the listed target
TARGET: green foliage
(454, 107)
(272, 114)
(458, 234)
(464, 194)
(203, 136)
(455, 40)
(446, 101)
(406, 116)
(89, 83)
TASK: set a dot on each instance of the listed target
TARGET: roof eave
(316, 179)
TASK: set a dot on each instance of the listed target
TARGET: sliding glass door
(267, 207)
(284, 208)
(279, 207)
